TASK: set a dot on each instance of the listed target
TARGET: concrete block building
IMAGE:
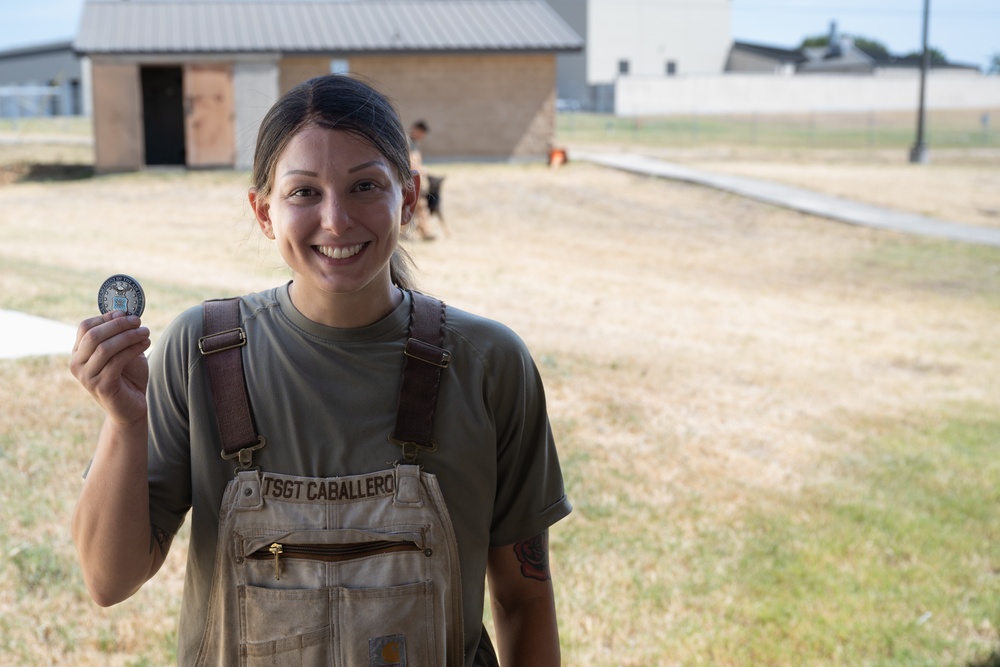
(640, 38)
(186, 83)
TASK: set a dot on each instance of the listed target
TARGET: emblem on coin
(123, 293)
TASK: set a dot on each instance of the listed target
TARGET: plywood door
(208, 115)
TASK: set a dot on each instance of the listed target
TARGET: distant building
(639, 38)
(41, 80)
(839, 56)
(187, 83)
(763, 59)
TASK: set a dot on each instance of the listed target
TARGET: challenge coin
(123, 293)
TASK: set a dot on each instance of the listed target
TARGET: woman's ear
(261, 211)
(411, 195)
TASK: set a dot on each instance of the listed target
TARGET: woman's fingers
(104, 346)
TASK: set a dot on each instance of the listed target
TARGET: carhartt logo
(390, 652)
(387, 651)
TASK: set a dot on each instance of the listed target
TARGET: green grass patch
(895, 563)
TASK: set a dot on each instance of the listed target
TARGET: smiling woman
(336, 375)
(336, 212)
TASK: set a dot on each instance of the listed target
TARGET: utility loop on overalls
(245, 455)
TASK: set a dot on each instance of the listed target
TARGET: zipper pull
(277, 550)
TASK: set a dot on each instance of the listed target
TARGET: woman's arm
(524, 609)
(119, 550)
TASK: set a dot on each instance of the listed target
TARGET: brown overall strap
(221, 346)
(423, 362)
(422, 366)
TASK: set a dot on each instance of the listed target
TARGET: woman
(267, 580)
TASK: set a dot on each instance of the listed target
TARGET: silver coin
(123, 293)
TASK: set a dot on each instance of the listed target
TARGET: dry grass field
(780, 434)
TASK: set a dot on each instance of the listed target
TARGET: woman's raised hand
(109, 361)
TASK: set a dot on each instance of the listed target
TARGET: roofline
(333, 53)
(38, 49)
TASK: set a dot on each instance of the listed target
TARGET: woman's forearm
(111, 527)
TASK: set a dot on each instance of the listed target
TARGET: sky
(966, 31)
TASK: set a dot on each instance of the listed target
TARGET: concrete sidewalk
(24, 335)
(800, 199)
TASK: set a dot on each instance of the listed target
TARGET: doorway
(163, 115)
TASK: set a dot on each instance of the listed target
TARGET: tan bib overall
(357, 571)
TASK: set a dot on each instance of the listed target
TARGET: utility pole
(918, 154)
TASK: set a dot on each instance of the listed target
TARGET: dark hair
(336, 102)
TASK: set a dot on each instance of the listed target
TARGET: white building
(639, 38)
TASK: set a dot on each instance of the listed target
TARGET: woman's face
(335, 209)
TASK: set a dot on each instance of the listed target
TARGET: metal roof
(321, 26)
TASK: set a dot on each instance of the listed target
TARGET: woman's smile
(340, 252)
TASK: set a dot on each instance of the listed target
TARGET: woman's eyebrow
(299, 172)
(366, 164)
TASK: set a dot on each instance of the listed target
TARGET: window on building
(671, 67)
(623, 67)
(339, 66)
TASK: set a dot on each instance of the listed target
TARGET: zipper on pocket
(332, 553)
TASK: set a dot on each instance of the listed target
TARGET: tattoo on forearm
(160, 537)
(533, 555)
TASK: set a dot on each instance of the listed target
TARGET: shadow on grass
(56, 172)
(992, 660)
(44, 172)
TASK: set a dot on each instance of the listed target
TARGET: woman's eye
(302, 192)
(366, 186)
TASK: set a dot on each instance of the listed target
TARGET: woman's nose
(335, 214)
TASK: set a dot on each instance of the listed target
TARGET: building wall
(745, 61)
(117, 104)
(477, 105)
(571, 68)
(296, 70)
(754, 93)
(39, 66)
(52, 65)
(696, 36)
(255, 89)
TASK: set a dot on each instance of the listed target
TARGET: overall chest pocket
(337, 597)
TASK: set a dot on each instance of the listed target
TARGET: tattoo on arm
(160, 537)
(533, 555)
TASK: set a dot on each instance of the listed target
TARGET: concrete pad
(23, 335)
(800, 199)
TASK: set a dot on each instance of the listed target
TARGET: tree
(994, 67)
(937, 56)
(875, 49)
(872, 47)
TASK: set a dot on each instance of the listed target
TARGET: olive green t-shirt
(325, 399)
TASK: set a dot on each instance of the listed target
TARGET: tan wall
(296, 70)
(476, 105)
(117, 99)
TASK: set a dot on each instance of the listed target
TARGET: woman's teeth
(341, 253)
